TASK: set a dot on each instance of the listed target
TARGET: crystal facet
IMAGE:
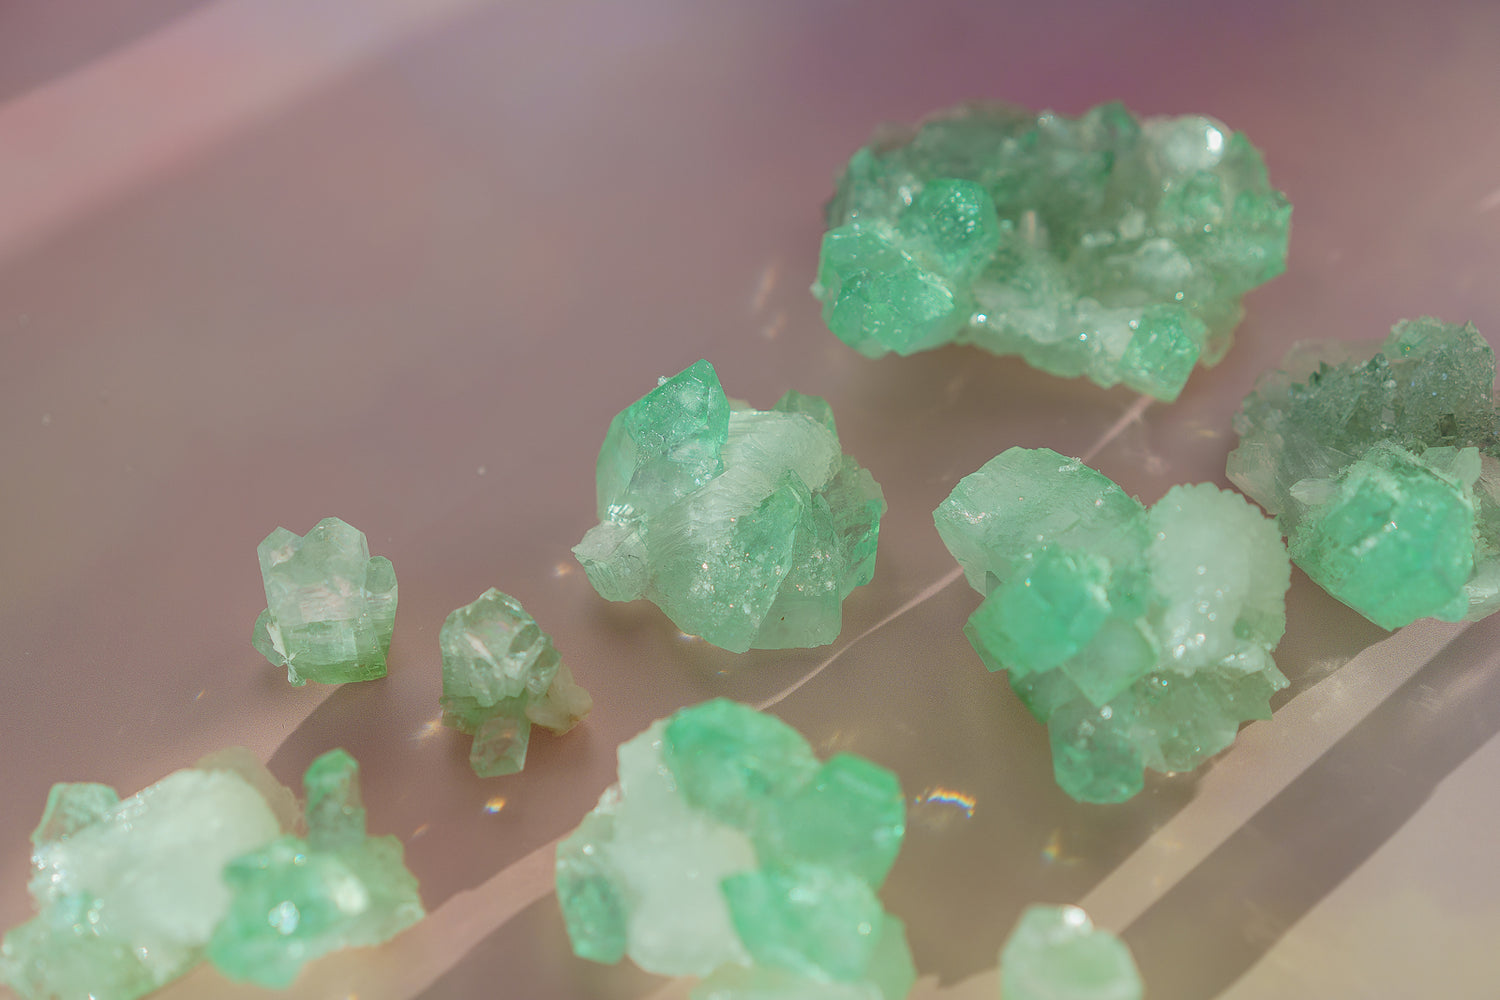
(747, 527)
(1055, 953)
(1100, 246)
(1142, 638)
(330, 607)
(1381, 463)
(728, 850)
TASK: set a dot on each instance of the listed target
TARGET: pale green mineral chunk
(501, 673)
(727, 850)
(1101, 246)
(294, 899)
(1055, 953)
(1141, 637)
(330, 607)
(1381, 463)
(747, 527)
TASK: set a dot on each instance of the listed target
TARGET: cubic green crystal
(501, 673)
(1100, 246)
(1381, 464)
(1055, 953)
(294, 899)
(747, 527)
(330, 607)
(728, 850)
(1142, 638)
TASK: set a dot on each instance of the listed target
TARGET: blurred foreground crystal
(1055, 953)
(728, 850)
(501, 673)
(1100, 246)
(1381, 463)
(747, 527)
(330, 607)
(1141, 637)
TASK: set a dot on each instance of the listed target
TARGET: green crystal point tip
(1381, 463)
(330, 607)
(1102, 246)
(747, 527)
(1142, 638)
(501, 674)
(1055, 953)
(728, 850)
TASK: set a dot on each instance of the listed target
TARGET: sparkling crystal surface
(1102, 246)
(1141, 637)
(1056, 953)
(747, 527)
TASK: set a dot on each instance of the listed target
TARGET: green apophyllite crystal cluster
(747, 527)
(1055, 953)
(1381, 463)
(728, 850)
(501, 674)
(1141, 637)
(1100, 246)
(330, 607)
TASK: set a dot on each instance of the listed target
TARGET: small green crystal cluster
(501, 674)
(1141, 637)
(728, 850)
(747, 527)
(330, 607)
(1055, 953)
(1381, 463)
(1100, 246)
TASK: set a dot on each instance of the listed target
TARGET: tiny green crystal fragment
(747, 527)
(728, 851)
(1141, 637)
(1055, 953)
(330, 607)
(1102, 246)
(501, 674)
(294, 899)
(1381, 464)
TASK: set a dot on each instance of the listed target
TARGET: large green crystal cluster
(747, 527)
(330, 607)
(1381, 463)
(1100, 246)
(727, 850)
(1141, 637)
(1055, 953)
(501, 674)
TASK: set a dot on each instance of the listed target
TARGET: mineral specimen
(1142, 638)
(1056, 954)
(330, 606)
(296, 899)
(728, 850)
(1100, 246)
(1381, 464)
(747, 527)
(501, 673)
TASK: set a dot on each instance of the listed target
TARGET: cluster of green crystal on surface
(1102, 246)
(501, 674)
(747, 527)
(1141, 637)
(728, 850)
(1055, 953)
(1381, 463)
(294, 899)
(330, 607)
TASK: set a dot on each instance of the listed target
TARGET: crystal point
(1055, 953)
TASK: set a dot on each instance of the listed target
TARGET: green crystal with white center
(747, 527)
(501, 674)
(1056, 953)
(330, 606)
(1381, 464)
(294, 899)
(729, 851)
(1141, 637)
(1102, 246)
